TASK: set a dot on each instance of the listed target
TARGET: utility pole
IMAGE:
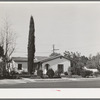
(54, 49)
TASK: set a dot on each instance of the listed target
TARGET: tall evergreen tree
(31, 46)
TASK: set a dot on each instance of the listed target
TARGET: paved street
(51, 83)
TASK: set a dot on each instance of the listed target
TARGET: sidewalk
(11, 81)
(27, 80)
(67, 79)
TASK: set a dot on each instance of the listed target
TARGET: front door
(60, 68)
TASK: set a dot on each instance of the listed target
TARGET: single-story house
(20, 63)
(59, 63)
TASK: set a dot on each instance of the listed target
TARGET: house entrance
(47, 67)
(60, 68)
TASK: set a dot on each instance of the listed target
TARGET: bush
(86, 73)
(23, 72)
(40, 73)
(66, 73)
(50, 73)
(57, 74)
(11, 75)
(96, 74)
(1, 69)
(76, 70)
(70, 71)
(45, 76)
(76, 76)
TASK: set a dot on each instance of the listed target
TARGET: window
(60, 68)
(19, 66)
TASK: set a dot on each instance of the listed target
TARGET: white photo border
(40, 93)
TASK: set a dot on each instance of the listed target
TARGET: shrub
(76, 76)
(66, 73)
(96, 74)
(86, 73)
(6, 74)
(70, 71)
(40, 73)
(50, 73)
(23, 72)
(1, 69)
(13, 75)
(57, 74)
(45, 76)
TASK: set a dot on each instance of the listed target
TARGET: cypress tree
(31, 46)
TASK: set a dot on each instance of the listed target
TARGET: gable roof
(52, 58)
(25, 59)
(38, 59)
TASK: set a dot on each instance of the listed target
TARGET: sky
(70, 26)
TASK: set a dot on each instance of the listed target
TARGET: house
(59, 63)
(20, 63)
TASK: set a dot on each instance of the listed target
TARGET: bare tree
(7, 39)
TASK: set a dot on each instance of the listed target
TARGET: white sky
(70, 26)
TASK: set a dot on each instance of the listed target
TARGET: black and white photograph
(49, 45)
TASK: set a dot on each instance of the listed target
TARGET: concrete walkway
(11, 81)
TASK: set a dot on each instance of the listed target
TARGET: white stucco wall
(54, 64)
(24, 65)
